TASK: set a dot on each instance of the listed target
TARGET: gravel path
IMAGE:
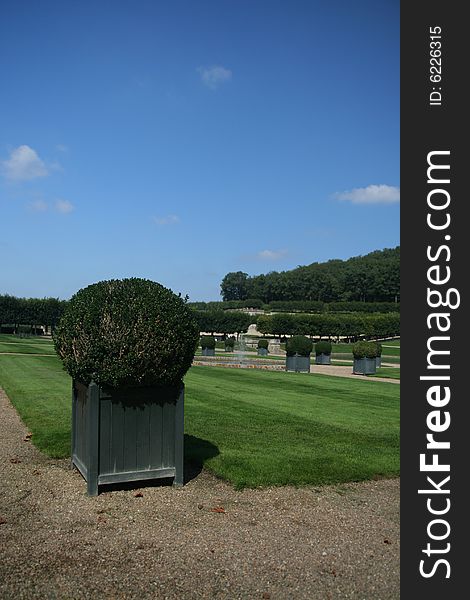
(203, 541)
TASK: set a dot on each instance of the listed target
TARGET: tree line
(374, 277)
(32, 312)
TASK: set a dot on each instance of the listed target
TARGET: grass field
(253, 428)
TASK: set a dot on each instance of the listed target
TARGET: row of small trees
(33, 312)
(351, 326)
(299, 306)
(220, 321)
(46, 312)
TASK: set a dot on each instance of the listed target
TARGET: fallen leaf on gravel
(266, 596)
(27, 437)
(138, 495)
(2, 521)
(218, 509)
(387, 541)
(36, 472)
(15, 460)
(101, 519)
(200, 506)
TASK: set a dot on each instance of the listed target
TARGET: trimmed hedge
(263, 344)
(299, 344)
(129, 332)
(364, 350)
(348, 325)
(207, 341)
(220, 321)
(323, 348)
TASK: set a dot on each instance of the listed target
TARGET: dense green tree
(234, 286)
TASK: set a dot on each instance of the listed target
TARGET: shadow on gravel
(196, 452)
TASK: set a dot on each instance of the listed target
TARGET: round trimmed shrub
(230, 342)
(364, 350)
(299, 344)
(263, 344)
(126, 332)
(323, 348)
(207, 341)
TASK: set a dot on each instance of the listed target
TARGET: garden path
(204, 541)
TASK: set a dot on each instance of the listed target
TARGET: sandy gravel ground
(203, 541)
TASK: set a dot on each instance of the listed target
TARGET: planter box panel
(299, 364)
(80, 436)
(127, 435)
(364, 366)
(208, 352)
(155, 433)
(323, 359)
(262, 351)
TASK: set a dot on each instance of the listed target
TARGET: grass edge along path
(253, 428)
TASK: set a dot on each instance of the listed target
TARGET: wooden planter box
(297, 363)
(263, 352)
(364, 366)
(208, 352)
(129, 434)
(323, 359)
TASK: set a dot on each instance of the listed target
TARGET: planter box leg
(93, 407)
(179, 441)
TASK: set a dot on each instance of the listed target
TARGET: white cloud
(168, 220)
(38, 206)
(271, 254)
(372, 194)
(64, 207)
(214, 76)
(24, 164)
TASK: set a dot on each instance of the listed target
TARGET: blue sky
(182, 140)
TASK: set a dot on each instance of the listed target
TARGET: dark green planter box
(263, 352)
(130, 434)
(323, 359)
(364, 366)
(208, 352)
(228, 349)
(378, 362)
(297, 363)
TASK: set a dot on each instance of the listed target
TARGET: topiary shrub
(263, 344)
(126, 333)
(364, 350)
(323, 347)
(299, 344)
(207, 341)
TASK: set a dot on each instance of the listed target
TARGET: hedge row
(220, 321)
(30, 311)
(351, 326)
(299, 306)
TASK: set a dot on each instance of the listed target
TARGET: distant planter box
(323, 359)
(364, 366)
(378, 362)
(297, 363)
(129, 434)
(262, 351)
(208, 352)
(228, 348)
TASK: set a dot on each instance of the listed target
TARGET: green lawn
(262, 428)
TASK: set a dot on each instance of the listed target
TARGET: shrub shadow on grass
(196, 452)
